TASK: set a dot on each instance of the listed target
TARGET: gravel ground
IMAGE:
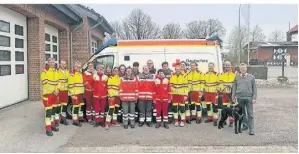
(276, 114)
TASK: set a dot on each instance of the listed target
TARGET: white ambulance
(114, 53)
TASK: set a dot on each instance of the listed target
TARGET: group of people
(174, 96)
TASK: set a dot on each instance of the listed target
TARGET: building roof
(294, 29)
(255, 45)
(83, 11)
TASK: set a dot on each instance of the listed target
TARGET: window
(19, 43)
(107, 60)
(54, 48)
(4, 26)
(19, 30)
(48, 47)
(48, 56)
(127, 58)
(19, 69)
(5, 55)
(19, 56)
(4, 41)
(5, 70)
(55, 57)
(47, 37)
(54, 39)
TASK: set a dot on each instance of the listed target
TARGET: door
(13, 57)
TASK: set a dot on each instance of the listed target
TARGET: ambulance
(114, 53)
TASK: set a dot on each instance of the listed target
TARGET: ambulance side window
(107, 60)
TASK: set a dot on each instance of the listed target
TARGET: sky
(268, 16)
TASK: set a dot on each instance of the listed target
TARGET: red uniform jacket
(88, 81)
(100, 85)
(162, 89)
(145, 86)
(128, 89)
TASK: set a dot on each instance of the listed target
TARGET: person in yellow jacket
(113, 98)
(195, 86)
(179, 92)
(225, 87)
(50, 92)
(210, 93)
(63, 75)
(76, 91)
(183, 66)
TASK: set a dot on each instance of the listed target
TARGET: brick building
(29, 34)
(269, 52)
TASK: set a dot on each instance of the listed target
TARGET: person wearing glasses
(151, 67)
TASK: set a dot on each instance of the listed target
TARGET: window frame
(9, 68)
(8, 39)
(20, 27)
(8, 26)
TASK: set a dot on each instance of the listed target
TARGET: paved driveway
(22, 130)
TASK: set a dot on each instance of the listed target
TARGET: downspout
(71, 44)
(89, 37)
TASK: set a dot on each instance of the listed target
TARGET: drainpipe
(89, 37)
(71, 44)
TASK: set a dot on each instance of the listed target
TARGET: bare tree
(257, 34)
(172, 31)
(139, 25)
(118, 31)
(203, 29)
(277, 36)
(235, 42)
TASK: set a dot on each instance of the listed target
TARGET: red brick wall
(64, 46)
(36, 56)
(293, 51)
(80, 43)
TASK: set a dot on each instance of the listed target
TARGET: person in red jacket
(146, 90)
(99, 94)
(162, 98)
(88, 84)
(128, 95)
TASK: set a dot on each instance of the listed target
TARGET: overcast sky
(268, 16)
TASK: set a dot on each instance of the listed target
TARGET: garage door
(51, 43)
(13, 57)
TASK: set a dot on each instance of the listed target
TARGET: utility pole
(248, 49)
(240, 42)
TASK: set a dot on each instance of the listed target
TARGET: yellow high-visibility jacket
(226, 81)
(49, 80)
(113, 85)
(211, 82)
(63, 79)
(195, 80)
(179, 84)
(75, 84)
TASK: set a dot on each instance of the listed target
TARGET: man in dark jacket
(136, 69)
(151, 67)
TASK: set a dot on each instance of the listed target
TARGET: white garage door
(13, 57)
(51, 43)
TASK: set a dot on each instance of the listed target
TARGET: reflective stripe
(48, 108)
(149, 93)
(130, 94)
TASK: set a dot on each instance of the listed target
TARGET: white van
(114, 53)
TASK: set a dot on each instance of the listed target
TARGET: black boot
(215, 123)
(49, 133)
(96, 124)
(132, 126)
(188, 121)
(158, 125)
(208, 121)
(166, 126)
(224, 123)
(230, 125)
(64, 122)
(126, 126)
(149, 124)
(77, 124)
(55, 129)
(141, 124)
(198, 121)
